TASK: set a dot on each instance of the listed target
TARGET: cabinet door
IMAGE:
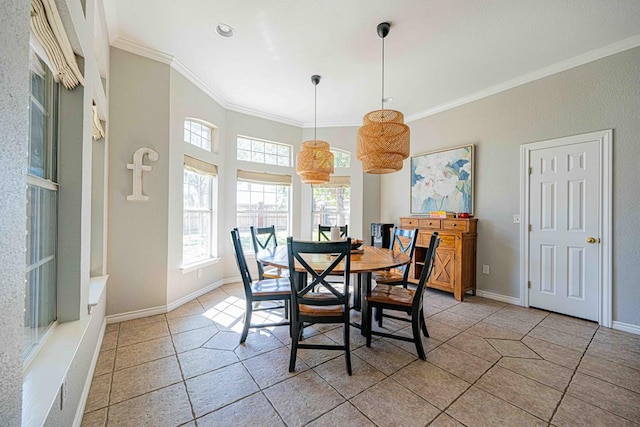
(443, 274)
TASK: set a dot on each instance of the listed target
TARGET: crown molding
(263, 115)
(576, 61)
(341, 124)
(140, 50)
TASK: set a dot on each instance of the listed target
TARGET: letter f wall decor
(138, 167)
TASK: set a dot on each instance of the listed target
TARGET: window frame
(212, 210)
(340, 151)
(42, 220)
(203, 124)
(251, 152)
(281, 235)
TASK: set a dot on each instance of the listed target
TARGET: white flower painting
(442, 181)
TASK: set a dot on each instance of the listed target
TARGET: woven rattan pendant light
(383, 139)
(315, 161)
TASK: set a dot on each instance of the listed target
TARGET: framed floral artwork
(442, 181)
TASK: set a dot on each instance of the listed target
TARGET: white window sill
(198, 265)
(97, 286)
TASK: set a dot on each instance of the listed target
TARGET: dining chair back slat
(402, 241)
(319, 300)
(265, 238)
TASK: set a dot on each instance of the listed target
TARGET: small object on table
(335, 233)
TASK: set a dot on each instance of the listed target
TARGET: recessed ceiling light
(224, 30)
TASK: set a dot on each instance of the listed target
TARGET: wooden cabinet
(454, 267)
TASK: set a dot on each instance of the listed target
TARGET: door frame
(605, 142)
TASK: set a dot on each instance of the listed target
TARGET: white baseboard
(136, 314)
(498, 297)
(193, 295)
(626, 327)
(77, 420)
(232, 280)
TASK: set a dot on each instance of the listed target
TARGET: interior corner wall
(599, 95)
(189, 101)
(137, 236)
(14, 120)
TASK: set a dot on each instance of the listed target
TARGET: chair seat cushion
(276, 273)
(321, 310)
(281, 286)
(392, 295)
(387, 276)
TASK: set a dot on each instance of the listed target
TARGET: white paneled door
(564, 237)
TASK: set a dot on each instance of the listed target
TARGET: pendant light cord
(315, 111)
(382, 100)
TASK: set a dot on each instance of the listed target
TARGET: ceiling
(438, 53)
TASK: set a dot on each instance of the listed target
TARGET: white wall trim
(136, 314)
(164, 58)
(145, 312)
(626, 327)
(77, 420)
(498, 297)
(193, 295)
(143, 51)
(230, 280)
(576, 61)
(605, 292)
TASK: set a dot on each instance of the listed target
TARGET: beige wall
(137, 246)
(186, 100)
(599, 95)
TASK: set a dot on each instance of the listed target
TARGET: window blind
(47, 27)
(335, 182)
(271, 178)
(198, 166)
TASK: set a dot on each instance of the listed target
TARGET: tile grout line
(573, 374)
(484, 373)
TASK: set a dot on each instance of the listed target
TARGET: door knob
(592, 240)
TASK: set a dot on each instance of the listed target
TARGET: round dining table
(363, 262)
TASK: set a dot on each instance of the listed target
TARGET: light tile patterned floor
(488, 363)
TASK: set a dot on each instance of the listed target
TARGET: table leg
(363, 311)
(357, 295)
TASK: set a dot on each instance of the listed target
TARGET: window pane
(197, 134)
(244, 144)
(37, 153)
(330, 206)
(262, 205)
(41, 210)
(197, 217)
(257, 151)
(270, 159)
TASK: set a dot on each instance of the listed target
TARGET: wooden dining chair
(317, 300)
(324, 232)
(273, 290)
(387, 297)
(263, 238)
(402, 241)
